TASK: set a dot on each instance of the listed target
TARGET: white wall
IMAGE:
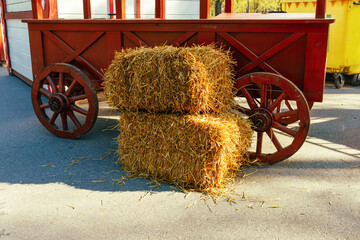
(19, 47)
(182, 9)
(70, 9)
(174, 9)
(18, 36)
(18, 5)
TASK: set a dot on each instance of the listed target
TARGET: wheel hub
(58, 102)
(262, 119)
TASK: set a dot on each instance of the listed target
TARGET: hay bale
(170, 79)
(197, 151)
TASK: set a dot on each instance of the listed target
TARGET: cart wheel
(259, 96)
(339, 80)
(64, 100)
(354, 79)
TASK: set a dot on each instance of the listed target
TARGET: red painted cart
(280, 67)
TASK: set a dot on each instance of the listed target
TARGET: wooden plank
(86, 44)
(160, 9)
(37, 51)
(120, 9)
(18, 15)
(135, 39)
(181, 40)
(4, 33)
(206, 37)
(34, 7)
(87, 9)
(204, 9)
(271, 52)
(114, 43)
(247, 53)
(228, 6)
(320, 9)
(64, 46)
(316, 48)
(138, 9)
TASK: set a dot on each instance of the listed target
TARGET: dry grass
(170, 79)
(203, 152)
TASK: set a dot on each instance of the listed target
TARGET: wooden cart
(280, 67)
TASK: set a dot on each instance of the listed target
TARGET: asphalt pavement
(53, 188)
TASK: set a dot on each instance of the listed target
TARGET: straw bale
(194, 151)
(170, 79)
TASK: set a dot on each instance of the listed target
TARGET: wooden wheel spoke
(284, 129)
(288, 105)
(249, 99)
(286, 115)
(78, 109)
(52, 84)
(61, 82)
(243, 110)
(64, 121)
(264, 96)
(45, 92)
(74, 119)
(259, 142)
(71, 87)
(277, 102)
(77, 98)
(54, 117)
(274, 139)
(46, 105)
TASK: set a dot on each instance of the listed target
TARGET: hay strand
(197, 151)
(170, 79)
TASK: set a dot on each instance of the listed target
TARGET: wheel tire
(339, 80)
(261, 94)
(354, 79)
(64, 100)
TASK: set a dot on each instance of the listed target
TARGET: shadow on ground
(31, 155)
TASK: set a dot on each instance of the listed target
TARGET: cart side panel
(36, 51)
(315, 60)
(264, 52)
(293, 49)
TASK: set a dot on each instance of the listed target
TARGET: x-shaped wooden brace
(141, 43)
(75, 54)
(259, 60)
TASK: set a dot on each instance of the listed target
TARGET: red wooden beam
(87, 9)
(160, 9)
(320, 8)
(19, 15)
(4, 32)
(120, 9)
(228, 6)
(204, 9)
(50, 9)
(112, 8)
(36, 7)
(138, 13)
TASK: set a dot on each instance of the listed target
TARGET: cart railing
(160, 8)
